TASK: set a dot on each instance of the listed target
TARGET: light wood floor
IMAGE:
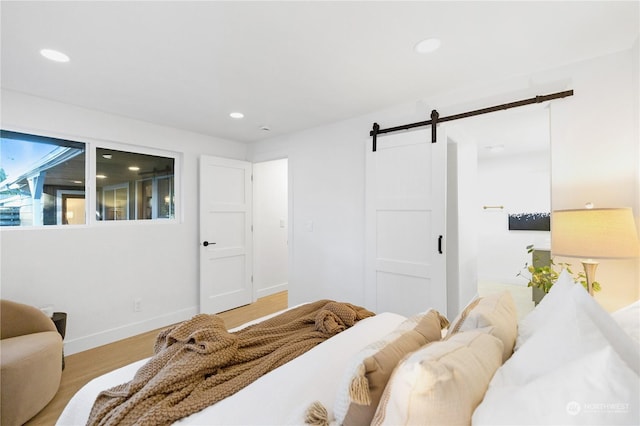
(80, 368)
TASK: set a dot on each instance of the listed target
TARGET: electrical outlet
(137, 305)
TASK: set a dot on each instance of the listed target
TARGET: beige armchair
(30, 358)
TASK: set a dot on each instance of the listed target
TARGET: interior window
(134, 186)
(42, 180)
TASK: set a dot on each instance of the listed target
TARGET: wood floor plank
(82, 367)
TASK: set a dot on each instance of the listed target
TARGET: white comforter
(280, 397)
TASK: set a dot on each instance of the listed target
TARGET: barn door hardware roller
(435, 117)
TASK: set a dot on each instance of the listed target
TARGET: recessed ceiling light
(236, 115)
(54, 55)
(107, 156)
(427, 46)
(134, 168)
(101, 176)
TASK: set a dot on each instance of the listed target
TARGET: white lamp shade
(594, 233)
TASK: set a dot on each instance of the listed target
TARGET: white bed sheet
(280, 397)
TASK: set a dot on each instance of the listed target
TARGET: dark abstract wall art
(530, 222)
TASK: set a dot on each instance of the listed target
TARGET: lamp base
(590, 273)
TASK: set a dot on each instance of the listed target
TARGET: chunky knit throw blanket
(198, 362)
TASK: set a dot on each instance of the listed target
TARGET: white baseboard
(262, 292)
(109, 336)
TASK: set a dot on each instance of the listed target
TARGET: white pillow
(580, 326)
(598, 388)
(496, 311)
(549, 304)
(628, 318)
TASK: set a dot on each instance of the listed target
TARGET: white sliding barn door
(405, 223)
(225, 234)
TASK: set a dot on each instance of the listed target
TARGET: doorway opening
(270, 227)
(70, 207)
(508, 173)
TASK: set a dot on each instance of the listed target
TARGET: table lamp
(593, 233)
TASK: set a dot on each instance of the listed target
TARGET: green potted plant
(544, 274)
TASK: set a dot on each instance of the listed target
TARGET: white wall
(94, 273)
(270, 224)
(594, 140)
(327, 167)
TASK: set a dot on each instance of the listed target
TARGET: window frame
(90, 187)
(137, 149)
(37, 134)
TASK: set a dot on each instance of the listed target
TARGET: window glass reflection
(133, 186)
(41, 180)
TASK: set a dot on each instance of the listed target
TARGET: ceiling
(289, 65)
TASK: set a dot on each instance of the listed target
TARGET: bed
(566, 362)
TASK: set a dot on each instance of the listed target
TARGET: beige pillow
(370, 369)
(442, 383)
(496, 310)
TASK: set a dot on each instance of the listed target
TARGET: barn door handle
(440, 244)
(206, 243)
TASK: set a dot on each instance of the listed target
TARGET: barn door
(225, 234)
(405, 223)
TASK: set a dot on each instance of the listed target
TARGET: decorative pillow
(370, 369)
(580, 327)
(496, 310)
(442, 383)
(629, 319)
(597, 388)
(539, 316)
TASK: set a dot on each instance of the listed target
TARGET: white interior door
(405, 222)
(225, 234)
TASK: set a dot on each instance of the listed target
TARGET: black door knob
(206, 243)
